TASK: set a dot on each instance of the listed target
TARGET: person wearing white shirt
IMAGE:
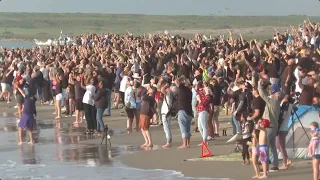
(130, 104)
(139, 91)
(123, 86)
(88, 105)
(165, 115)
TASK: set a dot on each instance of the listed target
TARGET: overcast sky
(167, 7)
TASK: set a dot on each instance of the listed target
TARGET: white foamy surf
(13, 170)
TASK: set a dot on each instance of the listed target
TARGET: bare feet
(58, 117)
(167, 145)
(255, 177)
(19, 143)
(182, 147)
(76, 122)
(288, 162)
(246, 162)
(31, 143)
(150, 145)
(283, 167)
(263, 177)
(144, 145)
(201, 144)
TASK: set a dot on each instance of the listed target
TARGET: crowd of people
(157, 78)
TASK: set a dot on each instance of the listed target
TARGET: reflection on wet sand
(27, 154)
(68, 137)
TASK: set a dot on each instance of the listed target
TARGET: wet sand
(172, 159)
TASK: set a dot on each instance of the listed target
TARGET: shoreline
(17, 40)
(172, 159)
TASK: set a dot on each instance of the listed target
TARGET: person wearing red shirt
(203, 108)
(19, 82)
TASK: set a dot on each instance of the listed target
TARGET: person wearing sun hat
(272, 113)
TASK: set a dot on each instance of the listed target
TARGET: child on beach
(246, 137)
(255, 152)
(314, 149)
(29, 111)
(263, 148)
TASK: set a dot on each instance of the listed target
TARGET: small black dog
(106, 135)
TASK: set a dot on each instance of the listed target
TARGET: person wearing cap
(271, 113)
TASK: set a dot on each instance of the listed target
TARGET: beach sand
(173, 159)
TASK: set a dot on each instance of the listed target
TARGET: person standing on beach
(185, 114)
(88, 104)
(19, 81)
(29, 111)
(130, 103)
(146, 112)
(6, 82)
(100, 99)
(59, 96)
(166, 116)
(272, 113)
(118, 79)
(314, 149)
(203, 108)
(109, 78)
(213, 123)
(79, 92)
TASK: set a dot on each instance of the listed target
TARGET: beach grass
(44, 25)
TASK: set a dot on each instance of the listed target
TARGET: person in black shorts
(78, 95)
(71, 92)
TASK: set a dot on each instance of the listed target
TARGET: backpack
(251, 126)
(173, 109)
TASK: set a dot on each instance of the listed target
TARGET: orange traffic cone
(205, 150)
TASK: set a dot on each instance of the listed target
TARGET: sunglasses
(315, 130)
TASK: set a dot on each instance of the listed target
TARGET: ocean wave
(13, 170)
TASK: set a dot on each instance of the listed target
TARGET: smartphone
(304, 81)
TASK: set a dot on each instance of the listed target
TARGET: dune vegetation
(28, 26)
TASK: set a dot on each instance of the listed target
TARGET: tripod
(294, 112)
(106, 135)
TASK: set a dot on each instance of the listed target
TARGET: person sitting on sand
(29, 111)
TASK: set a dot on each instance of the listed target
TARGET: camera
(106, 135)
